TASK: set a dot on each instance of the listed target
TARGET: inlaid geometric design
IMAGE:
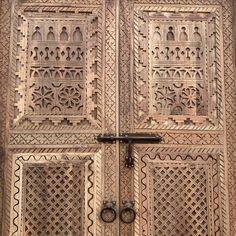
(177, 67)
(179, 200)
(54, 199)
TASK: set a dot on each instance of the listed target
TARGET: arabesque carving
(59, 77)
(177, 68)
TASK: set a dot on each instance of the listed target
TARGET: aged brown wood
(71, 70)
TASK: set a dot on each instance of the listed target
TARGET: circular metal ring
(108, 214)
(131, 215)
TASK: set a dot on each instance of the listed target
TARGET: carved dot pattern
(180, 204)
(54, 200)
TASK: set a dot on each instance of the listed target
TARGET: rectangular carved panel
(57, 66)
(56, 194)
(179, 191)
(179, 197)
(178, 71)
(53, 199)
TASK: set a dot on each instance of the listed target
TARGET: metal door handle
(128, 213)
(108, 213)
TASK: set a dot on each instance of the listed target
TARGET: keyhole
(167, 53)
(47, 50)
(156, 53)
(198, 53)
(79, 54)
(36, 53)
(68, 54)
(177, 53)
(188, 51)
(57, 53)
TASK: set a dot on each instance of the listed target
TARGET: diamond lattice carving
(54, 199)
(54, 194)
(179, 199)
(179, 191)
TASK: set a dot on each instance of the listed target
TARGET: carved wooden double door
(84, 68)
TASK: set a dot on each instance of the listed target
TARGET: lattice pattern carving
(176, 74)
(179, 191)
(60, 75)
(58, 194)
(179, 197)
(54, 199)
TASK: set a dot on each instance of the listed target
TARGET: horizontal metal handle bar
(130, 138)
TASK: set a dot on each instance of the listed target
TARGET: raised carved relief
(177, 70)
(54, 190)
(59, 77)
(179, 191)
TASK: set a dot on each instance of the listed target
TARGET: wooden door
(174, 81)
(62, 96)
(78, 69)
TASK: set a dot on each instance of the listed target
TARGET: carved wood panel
(177, 68)
(54, 194)
(179, 191)
(61, 96)
(178, 85)
(58, 67)
(176, 79)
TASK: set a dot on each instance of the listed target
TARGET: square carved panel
(178, 69)
(58, 60)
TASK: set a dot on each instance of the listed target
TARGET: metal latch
(130, 138)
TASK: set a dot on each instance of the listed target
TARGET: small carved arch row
(171, 35)
(178, 74)
(57, 74)
(77, 35)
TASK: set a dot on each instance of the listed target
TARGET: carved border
(5, 32)
(93, 186)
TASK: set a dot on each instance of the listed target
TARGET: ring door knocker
(108, 213)
(128, 213)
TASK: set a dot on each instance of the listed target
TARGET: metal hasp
(130, 138)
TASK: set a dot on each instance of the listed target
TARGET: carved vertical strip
(111, 160)
(125, 63)
(126, 174)
(5, 23)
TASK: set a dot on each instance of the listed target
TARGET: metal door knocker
(108, 213)
(127, 213)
